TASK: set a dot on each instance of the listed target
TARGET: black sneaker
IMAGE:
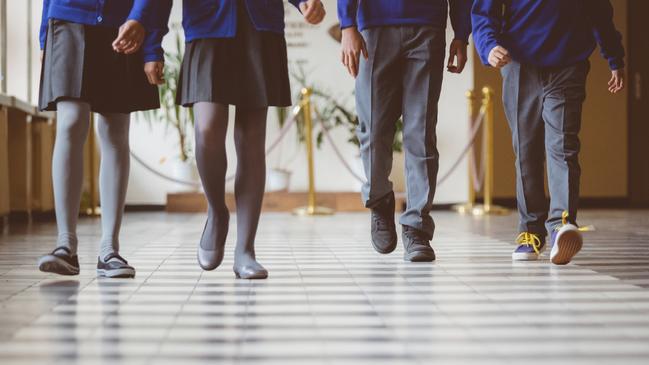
(384, 232)
(114, 266)
(61, 261)
(417, 245)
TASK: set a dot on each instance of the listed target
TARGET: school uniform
(544, 87)
(406, 42)
(79, 61)
(235, 53)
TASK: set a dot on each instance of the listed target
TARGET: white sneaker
(566, 243)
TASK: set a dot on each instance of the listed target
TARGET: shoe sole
(569, 243)
(255, 276)
(55, 265)
(116, 274)
(419, 256)
(525, 256)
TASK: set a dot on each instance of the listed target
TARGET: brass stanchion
(311, 208)
(488, 208)
(467, 208)
(93, 204)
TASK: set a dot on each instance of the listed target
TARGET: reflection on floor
(330, 299)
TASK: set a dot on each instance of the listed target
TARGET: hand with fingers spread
(155, 72)
(353, 46)
(313, 11)
(499, 57)
(457, 56)
(616, 83)
(130, 37)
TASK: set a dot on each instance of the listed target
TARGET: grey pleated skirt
(249, 70)
(80, 64)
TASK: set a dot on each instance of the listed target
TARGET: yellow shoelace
(564, 220)
(530, 239)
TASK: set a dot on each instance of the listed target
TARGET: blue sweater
(109, 13)
(547, 33)
(375, 13)
(218, 18)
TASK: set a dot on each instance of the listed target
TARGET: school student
(92, 61)
(235, 54)
(396, 51)
(542, 48)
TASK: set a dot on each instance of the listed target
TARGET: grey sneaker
(416, 246)
(384, 232)
(61, 261)
(114, 266)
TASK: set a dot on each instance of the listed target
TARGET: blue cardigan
(218, 18)
(547, 33)
(109, 13)
(375, 13)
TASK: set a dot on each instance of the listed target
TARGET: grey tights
(250, 141)
(67, 172)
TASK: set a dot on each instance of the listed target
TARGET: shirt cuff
(616, 63)
(347, 23)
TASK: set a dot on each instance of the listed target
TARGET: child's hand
(457, 56)
(130, 37)
(353, 46)
(499, 57)
(616, 83)
(313, 11)
(155, 72)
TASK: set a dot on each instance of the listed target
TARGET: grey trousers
(543, 107)
(402, 77)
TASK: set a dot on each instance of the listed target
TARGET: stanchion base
(466, 208)
(489, 210)
(312, 211)
(93, 212)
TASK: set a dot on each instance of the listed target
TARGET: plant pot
(277, 180)
(185, 171)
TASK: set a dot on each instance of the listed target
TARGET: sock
(250, 142)
(72, 124)
(113, 130)
(211, 128)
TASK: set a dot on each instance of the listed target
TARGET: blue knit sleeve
(486, 17)
(460, 13)
(607, 36)
(347, 12)
(44, 19)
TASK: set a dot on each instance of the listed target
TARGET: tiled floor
(330, 299)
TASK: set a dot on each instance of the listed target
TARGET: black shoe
(384, 232)
(417, 245)
(61, 261)
(114, 266)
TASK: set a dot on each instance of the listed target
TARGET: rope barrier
(478, 178)
(282, 133)
(454, 166)
(469, 147)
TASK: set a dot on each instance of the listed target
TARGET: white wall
(319, 54)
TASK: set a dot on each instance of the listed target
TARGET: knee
(72, 122)
(113, 130)
(564, 148)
